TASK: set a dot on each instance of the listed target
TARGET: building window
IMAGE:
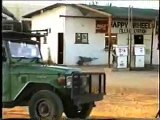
(81, 38)
(138, 39)
(113, 40)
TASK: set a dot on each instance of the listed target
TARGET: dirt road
(129, 94)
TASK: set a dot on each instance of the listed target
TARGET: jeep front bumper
(94, 91)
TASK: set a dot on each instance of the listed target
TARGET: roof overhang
(30, 15)
(93, 10)
(88, 17)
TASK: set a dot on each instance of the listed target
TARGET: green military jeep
(47, 90)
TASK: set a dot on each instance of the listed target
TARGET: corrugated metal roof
(122, 12)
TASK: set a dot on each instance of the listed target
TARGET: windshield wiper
(20, 58)
(35, 59)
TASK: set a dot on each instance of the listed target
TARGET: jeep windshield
(24, 50)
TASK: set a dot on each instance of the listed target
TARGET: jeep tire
(72, 111)
(45, 105)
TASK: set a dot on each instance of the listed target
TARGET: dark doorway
(60, 48)
(138, 39)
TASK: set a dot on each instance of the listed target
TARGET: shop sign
(125, 30)
(138, 27)
(101, 26)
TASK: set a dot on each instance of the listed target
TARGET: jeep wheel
(45, 105)
(72, 111)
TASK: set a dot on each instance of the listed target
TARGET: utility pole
(128, 36)
(109, 41)
(130, 32)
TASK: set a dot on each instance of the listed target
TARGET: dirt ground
(130, 94)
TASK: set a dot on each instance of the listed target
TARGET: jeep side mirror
(3, 55)
(4, 59)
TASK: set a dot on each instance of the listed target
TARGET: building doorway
(60, 48)
(138, 39)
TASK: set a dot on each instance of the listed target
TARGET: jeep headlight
(65, 81)
(83, 81)
(69, 81)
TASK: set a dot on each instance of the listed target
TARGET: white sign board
(121, 50)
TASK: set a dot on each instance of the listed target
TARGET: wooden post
(151, 46)
(130, 20)
(131, 30)
(128, 61)
(109, 34)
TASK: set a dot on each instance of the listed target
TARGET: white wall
(96, 41)
(94, 48)
(50, 19)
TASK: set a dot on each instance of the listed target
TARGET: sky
(151, 4)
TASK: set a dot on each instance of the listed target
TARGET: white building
(80, 30)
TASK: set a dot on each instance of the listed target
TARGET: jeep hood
(68, 70)
(40, 69)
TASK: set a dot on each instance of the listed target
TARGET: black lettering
(118, 24)
(120, 30)
(122, 24)
(114, 24)
(126, 24)
(136, 30)
(142, 25)
(143, 31)
(149, 25)
(146, 25)
(126, 30)
(138, 25)
(139, 31)
(135, 25)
